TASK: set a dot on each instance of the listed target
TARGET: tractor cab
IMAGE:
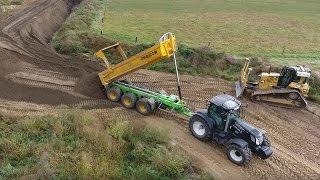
(223, 109)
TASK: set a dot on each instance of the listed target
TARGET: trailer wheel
(129, 100)
(114, 94)
(143, 106)
(199, 128)
(238, 155)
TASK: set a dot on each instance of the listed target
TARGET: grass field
(239, 27)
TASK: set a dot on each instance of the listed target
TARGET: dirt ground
(35, 80)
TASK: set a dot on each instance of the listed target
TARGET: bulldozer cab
(296, 74)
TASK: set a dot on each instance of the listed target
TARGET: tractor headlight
(257, 142)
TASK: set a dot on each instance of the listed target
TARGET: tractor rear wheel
(129, 100)
(199, 128)
(143, 106)
(114, 94)
(239, 155)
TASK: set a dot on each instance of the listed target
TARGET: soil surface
(34, 80)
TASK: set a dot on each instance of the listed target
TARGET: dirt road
(34, 79)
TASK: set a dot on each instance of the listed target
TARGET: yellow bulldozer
(289, 87)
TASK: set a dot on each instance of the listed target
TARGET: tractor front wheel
(239, 155)
(199, 128)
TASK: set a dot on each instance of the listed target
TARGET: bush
(80, 29)
(168, 163)
(120, 129)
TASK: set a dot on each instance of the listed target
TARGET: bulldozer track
(281, 93)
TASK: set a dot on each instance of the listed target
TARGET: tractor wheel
(143, 106)
(266, 141)
(199, 128)
(238, 155)
(129, 100)
(114, 94)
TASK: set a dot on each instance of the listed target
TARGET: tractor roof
(226, 101)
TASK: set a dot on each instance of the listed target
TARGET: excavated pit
(24, 48)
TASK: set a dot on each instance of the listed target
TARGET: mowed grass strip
(238, 27)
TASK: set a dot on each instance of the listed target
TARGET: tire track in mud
(290, 136)
(46, 79)
(303, 120)
(299, 156)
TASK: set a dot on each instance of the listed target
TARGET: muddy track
(34, 79)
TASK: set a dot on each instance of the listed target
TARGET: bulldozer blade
(239, 88)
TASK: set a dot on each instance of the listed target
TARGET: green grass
(10, 2)
(75, 144)
(79, 33)
(236, 27)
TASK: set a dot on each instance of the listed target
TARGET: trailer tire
(128, 100)
(114, 94)
(143, 106)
